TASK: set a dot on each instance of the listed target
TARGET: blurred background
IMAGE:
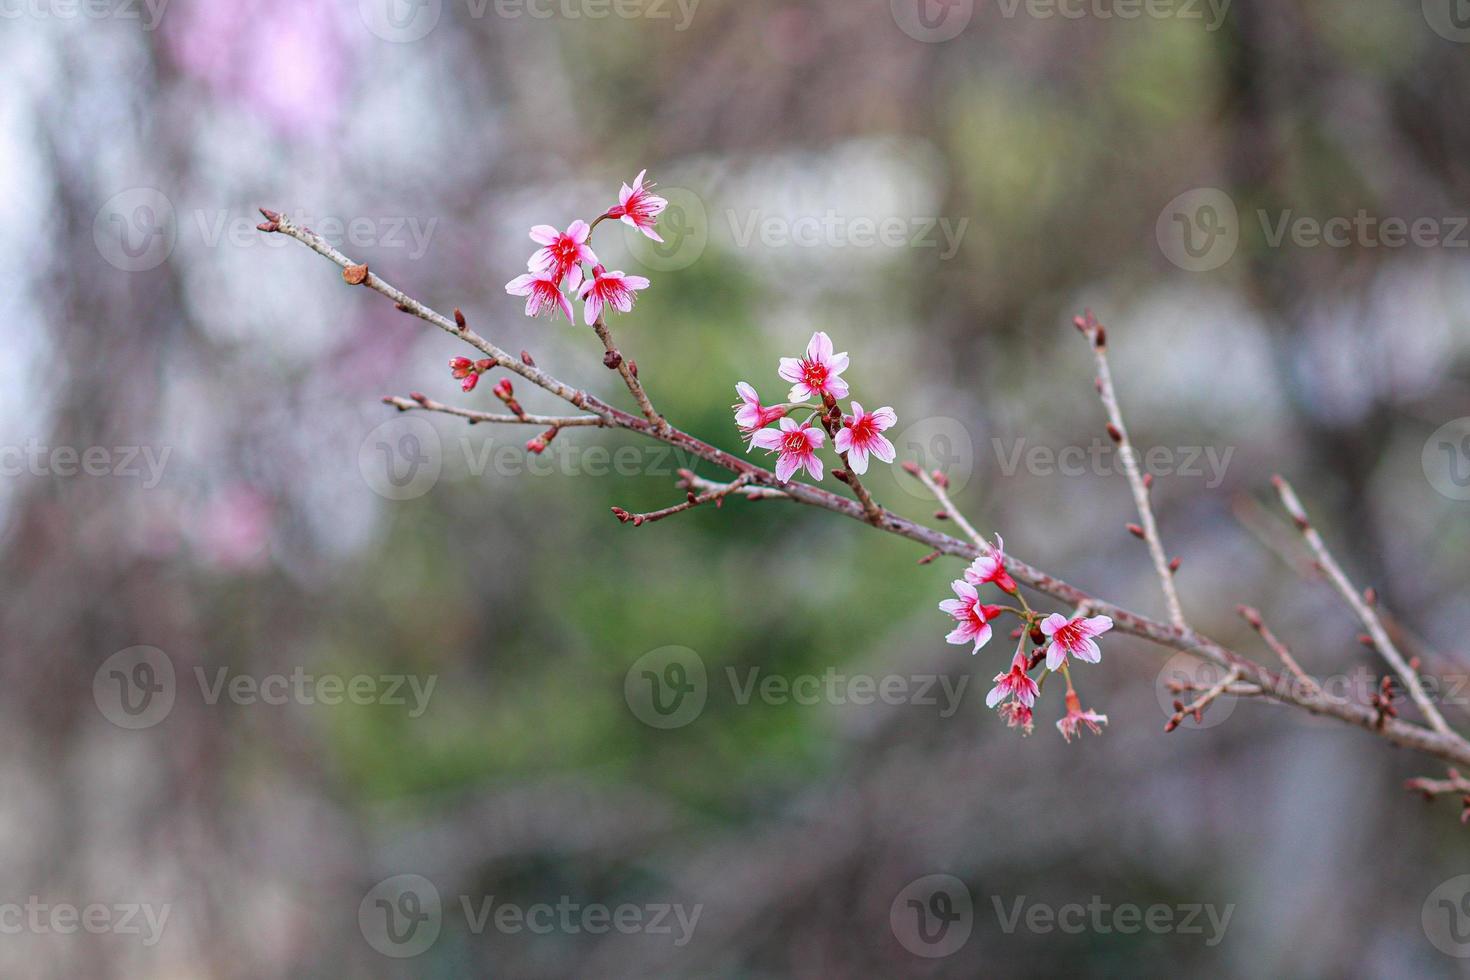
(294, 686)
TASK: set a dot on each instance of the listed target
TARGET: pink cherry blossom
(563, 252)
(1073, 637)
(797, 444)
(992, 568)
(1017, 715)
(751, 415)
(861, 435)
(972, 616)
(816, 374)
(1076, 716)
(542, 292)
(1014, 683)
(613, 289)
(639, 207)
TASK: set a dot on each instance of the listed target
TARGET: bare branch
(1097, 335)
(429, 405)
(1369, 618)
(1198, 705)
(1253, 617)
(714, 495)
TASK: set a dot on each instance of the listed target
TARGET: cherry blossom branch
(1147, 527)
(764, 485)
(1369, 618)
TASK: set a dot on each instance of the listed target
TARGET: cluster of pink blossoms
(817, 375)
(557, 266)
(1056, 638)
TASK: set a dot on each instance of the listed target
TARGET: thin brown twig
(430, 405)
(629, 373)
(1097, 336)
(1369, 618)
(1447, 746)
(947, 505)
(1455, 783)
(714, 495)
(1198, 705)
(1282, 651)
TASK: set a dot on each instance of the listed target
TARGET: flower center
(814, 373)
(1070, 636)
(862, 429)
(795, 442)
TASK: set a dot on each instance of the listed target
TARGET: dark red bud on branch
(1135, 530)
(1101, 339)
(355, 275)
(633, 368)
(1370, 596)
(526, 359)
(460, 321)
(1174, 565)
(1148, 481)
(1115, 433)
(611, 360)
(911, 468)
